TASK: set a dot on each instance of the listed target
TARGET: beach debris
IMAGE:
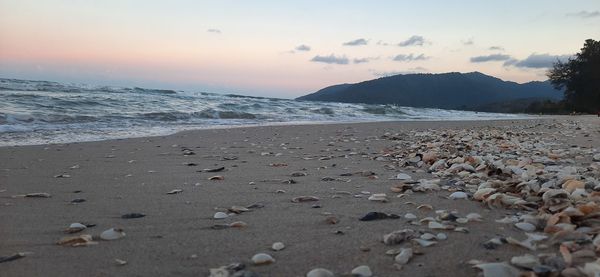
(216, 178)
(112, 234)
(38, 195)
(238, 209)
(498, 270)
(378, 215)
(378, 197)
(298, 174)
(332, 220)
(525, 226)
(120, 262)
(214, 169)
(220, 215)
(12, 257)
(526, 261)
(175, 191)
(232, 270)
(133, 215)
(75, 227)
(398, 237)
(278, 164)
(331, 179)
(320, 272)
(410, 216)
(191, 164)
(62, 176)
(404, 256)
(402, 177)
(278, 246)
(81, 240)
(77, 200)
(423, 242)
(458, 195)
(301, 199)
(262, 259)
(362, 271)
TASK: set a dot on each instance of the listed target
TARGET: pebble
(402, 177)
(441, 236)
(404, 256)
(278, 246)
(220, 215)
(458, 195)
(525, 226)
(362, 271)
(320, 272)
(262, 259)
(410, 216)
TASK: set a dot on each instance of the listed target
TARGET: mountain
(464, 91)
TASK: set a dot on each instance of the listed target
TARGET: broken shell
(458, 195)
(262, 259)
(474, 217)
(397, 237)
(220, 215)
(278, 246)
(526, 261)
(82, 240)
(238, 224)
(362, 271)
(38, 195)
(402, 176)
(436, 225)
(441, 236)
(404, 256)
(75, 227)
(175, 191)
(112, 234)
(216, 178)
(300, 199)
(427, 236)
(319, 272)
(525, 226)
(424, 243)
(381, 197)
(410, 216)
(120, 262)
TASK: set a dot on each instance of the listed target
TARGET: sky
(285, 48)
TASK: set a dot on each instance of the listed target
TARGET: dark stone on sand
(11, 257)
(378, 215)
(133, 215)
(78, 200)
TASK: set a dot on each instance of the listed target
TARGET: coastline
(122, 176)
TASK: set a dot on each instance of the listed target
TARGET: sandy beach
(178, 237)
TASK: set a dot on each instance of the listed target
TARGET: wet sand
(175, 239)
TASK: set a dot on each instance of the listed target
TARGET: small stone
(436, 225)
(458, 195)
(262, 259)
(410, 216)
(427, 236)
(112, 234)
(298, 174)
(525, 226)
(278, 246)
(402, 176)
(441, 236)
(175, 191)
(301, 199)
(133, 215)
(380, 197)
(220, 215)
(319, 272)
(120, 262)
(526, 261)
(362, 271)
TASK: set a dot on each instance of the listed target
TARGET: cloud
(356, 42)
(413, 41)
(331, 59)
(413, 70)
(537, 61)
(467, 41)
(381, 42)
(409, 58)
(302, 47)
(490, 58)
(585, 14)
(497, 48)
(364, 60)
(215, 31)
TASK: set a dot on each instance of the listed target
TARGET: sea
(43, 112)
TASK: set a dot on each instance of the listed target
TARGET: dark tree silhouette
(580, 78)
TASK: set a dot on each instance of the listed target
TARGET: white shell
(319, 272)
(424, 243)
(362, 271)
(474, 217)
(436, 225)
(77, 226)
(498, 270)
(410, 216)
(458, 195)
(402, 176)
(112, 234)
(220, 215)
(527, 227)
(262, 258)
(404, 256)
(441, 236)
(278, 246)
(427, 236)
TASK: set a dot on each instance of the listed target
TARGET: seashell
(300, 199)
(220, 215)
(462, 220)
(404, 256)
(278, 246)
(474, 217)
(525, 226)
(381, 197)
(397, 237)
(175, 191)
(214, 169)
(75, 227)
(38, 195)
(507, 220)
(461, 229)
(120, 262)
(112, 234)
(216, 178)
(572, 185)
(482, 193)
(133, 215)
(238, 224)
(458, 195)
(425, 207)
(262, 259)
(498, 270)
(362, 271)
(298, 174)
(238, 209)
(441, 236)
(427, 236)
(424, 243)
(526, 261)
(81, 240)
(436, 225)
(410, 216)
(319, 272)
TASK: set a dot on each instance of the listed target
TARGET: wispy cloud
(356, 42)
(469, 41)
(364, 60)
(414, 70)
(413, 41)
(410, 57)
(302, 47)
(537, 61)
(331, 59)
(214, 31)
(496, 48)
(490, 58)
(585, 14)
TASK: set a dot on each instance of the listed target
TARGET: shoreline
(179, 236)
